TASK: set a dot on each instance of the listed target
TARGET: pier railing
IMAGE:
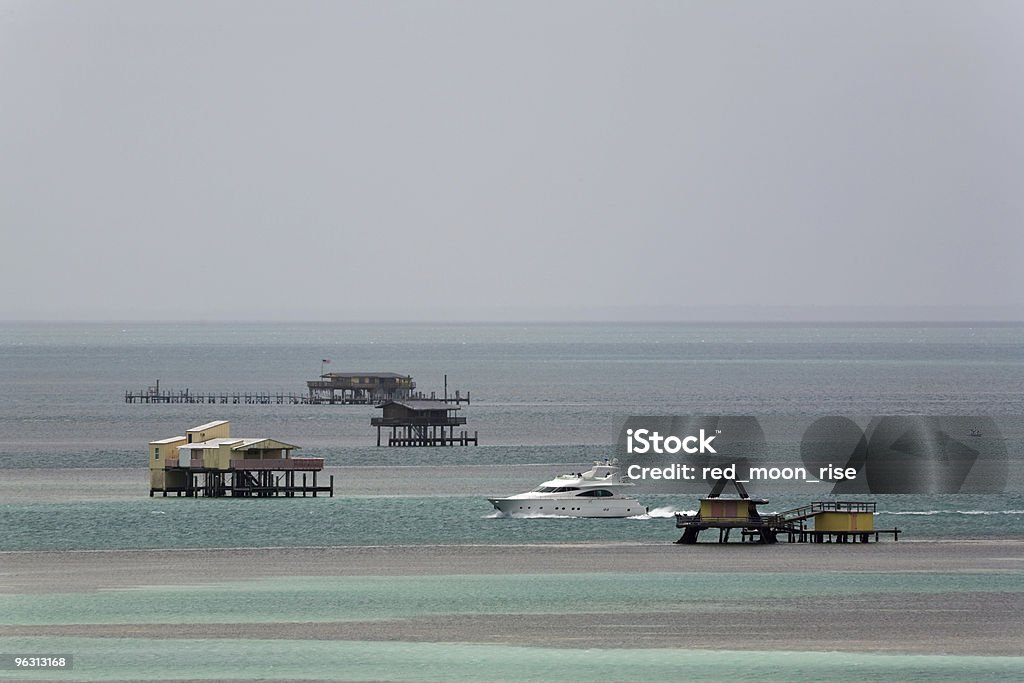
(244, 398)
(306, 464)
(153, 395)
(812, 509)
(687, 520)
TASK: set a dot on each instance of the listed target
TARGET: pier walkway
(279, 398)
(260, 398)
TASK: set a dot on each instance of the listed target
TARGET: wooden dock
(238, 398)
(811, 536)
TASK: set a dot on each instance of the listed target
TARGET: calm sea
(542, 394)
(545, 398)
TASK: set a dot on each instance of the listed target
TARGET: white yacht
(594, 493)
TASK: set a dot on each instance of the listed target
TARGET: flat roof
(209, 425)
(378, 375)
(170, 440)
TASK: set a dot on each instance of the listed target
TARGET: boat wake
(665, 512)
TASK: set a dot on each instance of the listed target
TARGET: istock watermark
(646, 441)
(838, 454)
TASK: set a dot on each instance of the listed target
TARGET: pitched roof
(239, 444)
(263, 444)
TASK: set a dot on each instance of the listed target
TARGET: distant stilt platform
(423, 422)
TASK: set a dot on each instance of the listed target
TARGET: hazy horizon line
(605, 315)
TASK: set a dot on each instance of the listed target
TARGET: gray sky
(527, 160)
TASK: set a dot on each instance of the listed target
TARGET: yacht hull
(568, 507)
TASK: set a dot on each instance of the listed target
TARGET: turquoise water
(385, 599)
(309, 599)
(413, 520)
(100, 659)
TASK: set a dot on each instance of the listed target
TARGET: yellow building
(818, 522)
(163, 454)
(224, 453)
(845, 517)
(728, 510)
(209, 461)
(218, 429)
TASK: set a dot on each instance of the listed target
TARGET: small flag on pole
(325, 360)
